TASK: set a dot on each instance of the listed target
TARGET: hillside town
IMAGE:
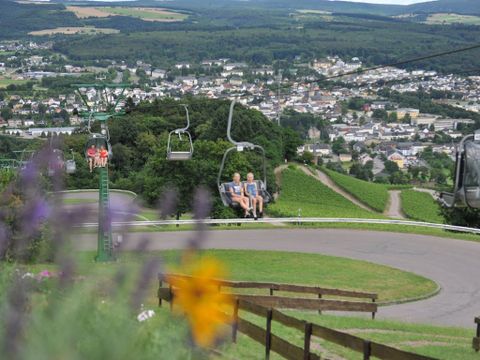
(398, 133)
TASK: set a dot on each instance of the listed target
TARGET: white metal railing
(291, 220)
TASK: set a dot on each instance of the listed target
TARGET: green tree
(291, 141)
(391, 167)
(338, 145)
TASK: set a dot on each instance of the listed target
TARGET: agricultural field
(5, 82)
(143, 13)
(313, 15)
(448, 19)
(420, 206)
(371, 194)
(302, 193)
(84, 30)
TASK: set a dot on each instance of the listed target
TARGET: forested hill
(16, 19)
(467, 7)
(470, 7)
(139, 142)
(324, 5)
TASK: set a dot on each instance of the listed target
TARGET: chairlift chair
(177, 155)
(70, 164)
(466, 191)
(224, 187)
(57, 163)
(98, 140)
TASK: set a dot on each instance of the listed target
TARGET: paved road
(394, 205)
(121, 205)
(453, 264)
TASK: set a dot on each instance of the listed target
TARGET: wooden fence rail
(289, 351)
(476, 339)
(295, 303)
(305, 289)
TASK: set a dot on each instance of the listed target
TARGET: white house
(158, 74)
(183, 65)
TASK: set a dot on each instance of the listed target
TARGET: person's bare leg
(260, 204)
(254, 205)
(245, 205)
(90, 163)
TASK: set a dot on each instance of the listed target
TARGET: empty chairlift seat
(177, 154)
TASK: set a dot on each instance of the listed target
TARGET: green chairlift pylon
(105, 240)
(95, 112)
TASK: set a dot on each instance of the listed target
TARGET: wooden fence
(297, 303)
(476, 339)
(287, 350)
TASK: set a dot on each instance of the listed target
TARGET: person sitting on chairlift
(236, 190)
(92, 153)
(103, 156)
(251, 191)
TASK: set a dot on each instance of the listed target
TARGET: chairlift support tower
(466, 192)
(95, 112)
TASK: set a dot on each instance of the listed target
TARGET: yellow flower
(200, 299)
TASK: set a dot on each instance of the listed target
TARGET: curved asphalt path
(122, 205)
(453, 264)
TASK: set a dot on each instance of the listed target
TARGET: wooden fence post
(160, 284)
(268, 334)
(271, 292)
(373, 313)
(320, 311)
(235, 320)
(475, 344)
(367, 350)
(306, 341)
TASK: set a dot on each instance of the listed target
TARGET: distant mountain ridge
(466, 7)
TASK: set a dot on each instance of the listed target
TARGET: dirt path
(278, 178)
(394, 205)
(325, 180)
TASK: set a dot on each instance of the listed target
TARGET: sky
(390, 2)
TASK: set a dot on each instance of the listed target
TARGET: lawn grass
(420, 206)
(277, 266)
(449, 343)
(304, 194)
(314, 269)
(79, 201)
(371, 194)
